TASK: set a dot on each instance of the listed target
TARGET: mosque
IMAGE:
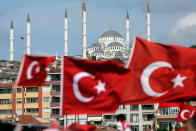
(110, 45)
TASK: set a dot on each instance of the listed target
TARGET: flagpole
(131, 54)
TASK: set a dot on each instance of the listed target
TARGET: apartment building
(42, 101)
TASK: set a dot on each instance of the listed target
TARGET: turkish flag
(33, 70)
(160, 73)
(186, 112)
(170, 104)
(92, 87)
(79, 127)
(22, 38)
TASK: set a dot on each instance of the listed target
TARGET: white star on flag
(100, 87)
(178, 81)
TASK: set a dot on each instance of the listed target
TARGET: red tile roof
(28, 119)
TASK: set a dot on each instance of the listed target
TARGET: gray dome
(111, 33)
(94, 45)
(115, 44)
(118, 54)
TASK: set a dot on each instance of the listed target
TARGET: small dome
(111, 33)
(115, 44)
(94, 45)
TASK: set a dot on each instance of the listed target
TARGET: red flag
(22, 38)
(160, 73)
(78, 127)
(186, 112)
(170, 104)
(92, 87)
(33, 70)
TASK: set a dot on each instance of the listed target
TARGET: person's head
(147, 128)
(120, 117)
(191, 124)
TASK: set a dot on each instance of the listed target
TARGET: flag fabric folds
(170, 104)
(160, 73)
(33, 70)
(79, 127)
(91, 87)
(186, 112)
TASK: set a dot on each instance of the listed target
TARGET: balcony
(134, 108)
(55, 93)
(148, 107)
(55, 104)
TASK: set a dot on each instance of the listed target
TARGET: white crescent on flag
(146, 75)
(30, 68)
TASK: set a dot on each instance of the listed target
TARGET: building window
(31, 110)
(55, 88)
(31, 100)
(46, 110)
(5, 101)
(46, 88)
(55, 111)
(70, 121)
(82, 121)
(135, 127)
(6, 91)
(46, 99)
(19, 111)
(19, 90)
(5, 112)
(19, 100)
(134, 118)
(148, 117)
(55, 99)
(122, 107)
(31, 89)
(148, 107)
(134, 107)
(168, 111)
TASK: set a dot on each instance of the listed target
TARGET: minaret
(11, 42)
(148, 35)
(28, 36)
(66, 34)
(83, 30)
(127, 29)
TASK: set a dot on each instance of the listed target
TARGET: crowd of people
(122, 125)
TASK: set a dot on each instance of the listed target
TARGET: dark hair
(120, 117)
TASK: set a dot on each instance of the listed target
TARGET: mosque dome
(115, 44)
(118, 55)
(111, 33)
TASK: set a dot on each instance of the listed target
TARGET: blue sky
(172, 21)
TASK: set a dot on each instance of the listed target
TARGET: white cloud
(184, 30)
